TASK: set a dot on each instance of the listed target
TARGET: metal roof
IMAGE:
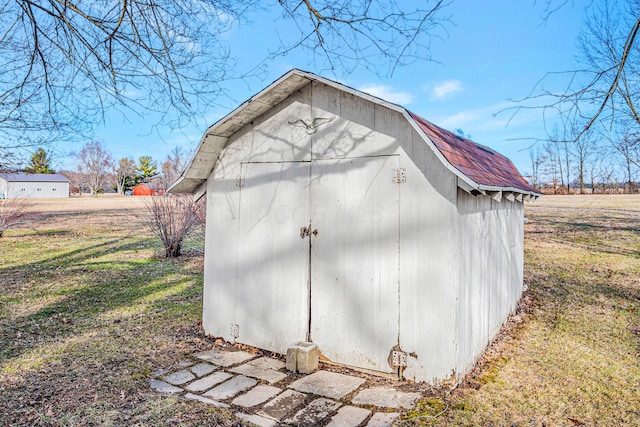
(483, 165)
(478, 168)
(33, 177)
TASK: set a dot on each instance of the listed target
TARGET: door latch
(306, 231)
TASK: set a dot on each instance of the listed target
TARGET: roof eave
(216, 136)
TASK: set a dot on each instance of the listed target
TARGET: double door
(318, 257)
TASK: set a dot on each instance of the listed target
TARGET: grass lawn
(89, 308)
(571, 355)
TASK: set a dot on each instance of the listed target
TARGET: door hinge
(240, 181)
(399, 176)
(398, 358)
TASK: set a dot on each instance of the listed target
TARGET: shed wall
(447, 314)
(490, 271)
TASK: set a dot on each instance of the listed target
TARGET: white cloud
(443, 89)
(490, 117)
(459, 119)
(387, 93)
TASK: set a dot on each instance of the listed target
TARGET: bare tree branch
(64, 63)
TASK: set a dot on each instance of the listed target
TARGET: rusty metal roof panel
(481, 164)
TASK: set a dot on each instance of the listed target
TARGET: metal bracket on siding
(399, 358)
(399, 176)
(235, 330)
(240, 181)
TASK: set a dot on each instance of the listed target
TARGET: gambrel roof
(479, 169)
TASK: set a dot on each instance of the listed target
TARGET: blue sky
(493, 52)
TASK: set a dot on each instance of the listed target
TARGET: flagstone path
(261, 392)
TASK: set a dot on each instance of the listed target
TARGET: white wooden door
(271, 300)
(339, 283)
(355, 260)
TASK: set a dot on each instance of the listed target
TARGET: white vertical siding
(351, 132)
(34, 189)
(490, 241)
(436, 270)
(427, 273)
(270, 299)
(221, 247)
(354, 278)
(242, 285)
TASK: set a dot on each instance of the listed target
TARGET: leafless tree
(628, 147)
(558, 154)
(175, 163)
(172, 218)
(584, 149)
(94, 162)
(125, 170)
(552, 167)
(605, 87)
(12, 213)
(64, 63)
(538, 158)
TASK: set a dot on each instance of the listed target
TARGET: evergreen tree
(40, 163)
(147, 169)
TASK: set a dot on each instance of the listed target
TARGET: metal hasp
(399, 175)
(240, 181)
(398, 359)
(306, 231)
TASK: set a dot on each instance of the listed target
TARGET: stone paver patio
(261, 392)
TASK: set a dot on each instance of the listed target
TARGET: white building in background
(33, 185)
(339, 218)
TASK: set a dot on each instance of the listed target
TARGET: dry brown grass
(571, 355)
(88, 308)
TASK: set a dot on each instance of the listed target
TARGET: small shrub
(172, 218)
(12, 213)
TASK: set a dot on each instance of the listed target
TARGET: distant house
(33, 185)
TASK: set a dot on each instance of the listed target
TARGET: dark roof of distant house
(33, 177)
(481, 164)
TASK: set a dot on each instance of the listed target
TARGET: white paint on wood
(421, 264)
(272, 270)
(354, 283)
(491, 264)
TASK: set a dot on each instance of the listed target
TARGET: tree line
(98, 172)
(587, 164)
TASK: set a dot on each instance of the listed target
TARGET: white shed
(339, 218)
(33, 185)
